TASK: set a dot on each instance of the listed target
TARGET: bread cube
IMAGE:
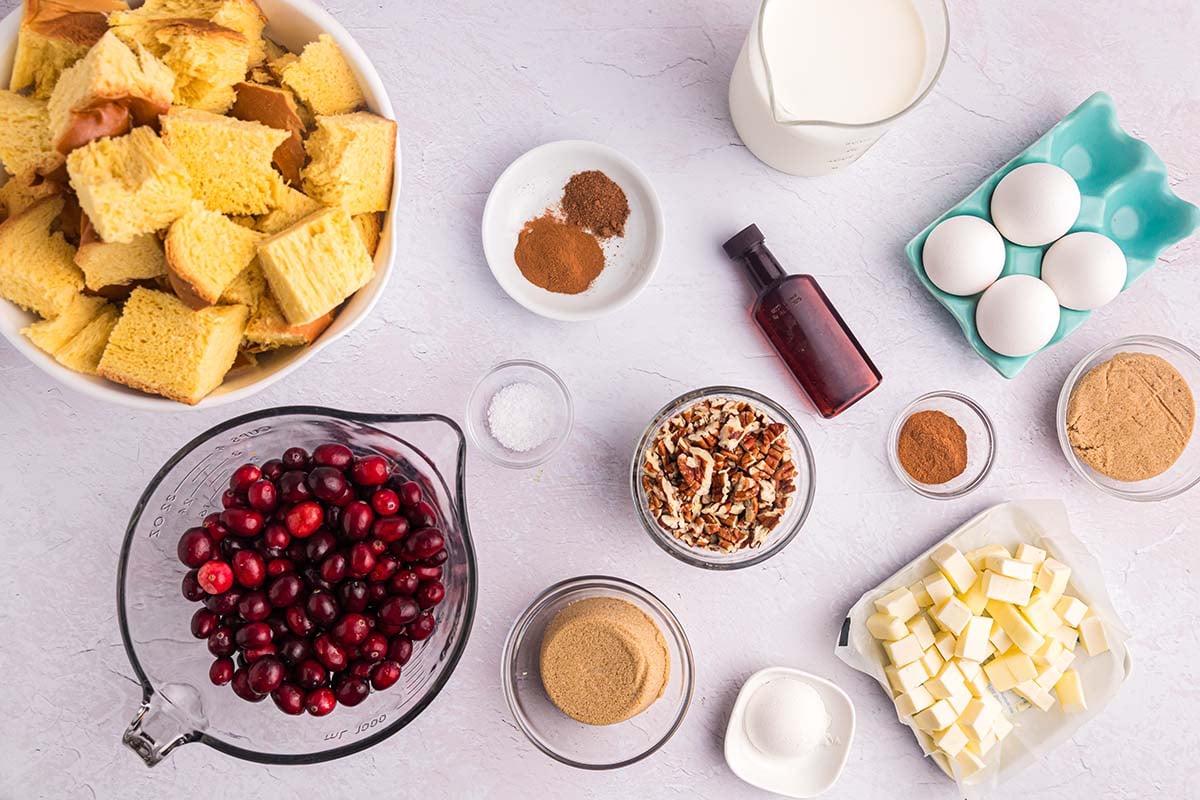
(25, 135)
(50, 40)
(206, 251)
(37, 267)
(352, 161)
(85, 349)
(268, 329)
(107, 264)
(52, 335)
(322, 78)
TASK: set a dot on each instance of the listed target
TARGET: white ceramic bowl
(292, 23)
(533, 183)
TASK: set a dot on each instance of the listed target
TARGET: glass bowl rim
(697, 557)
(1064, 397)
(477, 436)
(620, 587)
(893, 439)
(451, 662)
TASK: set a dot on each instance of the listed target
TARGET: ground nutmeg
(932, 447)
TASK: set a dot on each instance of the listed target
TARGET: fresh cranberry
(370, 471)
(272, 469)
(279, 566)
(322, 609)
(255, 654)
(410, 494)
(254, 607)
(212, 524)
(293, 487)
(195, 547)
(326, 483)
(352, 595)
(243, 521)
(376, 593)
(221, 671)
(333, 518)
(329, 653)
(289, 699)
(389, 630)
(430, 593)
(190, 586)
(356, 519)
(362, 560)
(319, 545)
(428, 573)
(333, 455)
(374, 647)
(385, 567)
(243, 476)
(351, 629)
(220, 642)
(224, 603)
(204, 622)
(303, 519)
(295, 458)
(262, 496)
(400, 650)
(361, 669)
(344, 498)
(309, 673)
(254, 634)
(285, 590)
(276, 535)
(230, 499)
(298, 621)
(241, 686)
(312, 577)
(423, 544)
(437, 559)
(421, 627)
(404, 583)
(234, 544)
(390, 529)
(279, 627)
(266, 674)
(385, 675)
(378, 546)
(294, 649)
(320, 702)
(399, 610)
(352, 691)
(385, 502)
(249, 568)
(423, 516)
(333, 568)
(215, 576)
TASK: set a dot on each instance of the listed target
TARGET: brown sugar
(932, 447)
(603, 660)
(1131, 417)
(558, 257)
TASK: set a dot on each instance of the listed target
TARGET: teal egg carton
(1125, 196)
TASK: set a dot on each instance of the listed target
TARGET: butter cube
(948, 680)
(937, 717)
(950, 741)
(1070, 692)
(968, 668)
(917, 700)
(1030, 554)
(1053, 576)
(979, 556)
(1002, 727)
(967, 763)
(1048, 652)
(954, 565)
(999, 638)
(906, 678)
(1064, 660)
(977, 719)
(952, 615)
(1035, 694)
(1048, 677)
(938, 588)
(1021, 666)
(921, 594)
(980, 747)
(1006, 590)
(974, 598)
(1093, 636)
(959, 700)
(904, 651)
(973, 643)
(1071, 609)
(886, 627)
(978, 684)
(1040, 613)
(1016, 626)
(919, 626)
(898, 603)
(1010, 669)
(1067, 635)
(1011, 568)
(933, 661)
(945, 643)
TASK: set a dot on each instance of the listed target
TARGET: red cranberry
(430, 593)
(437, 559)
(230, 499)
(421, 627)
(204, 622)
(322, 609)
(215, 576)
(400, 650)
(423, 544)
(249, 568)
(374, 647)
(370, 471)
(279, 627)
(326, 483)
(309, 673)
(212, 524)
(262, 496)
(241, 686)
(376, 593)
(319, 545)
(220, 642)
(423, 516)
(234, 544)
(272, 469)
(361, 669)
(312, 577)
(254, 634)
(428, 573)
(385, 567)
(332, 454)
(190, 586)
(243, 521)
(385, 502)
(410, 494)
(390, 529)
(276, 535)
(294, 649)
(404, 583)
(285, 590)
(362, 560)
(195, 547)
(352, 691)
(333, 568)
(353, 595)
(303, 519)
(254, 607)
(221, 671)
(266, 674)
(378, 546)
(243, 476)
(351, 629)
(279, 566)
(356, 519)
(293, 487)
(295, 458)
(320, 702)
(255, 654)
(298, 621)
(289, 699)
(344, 497)
(399, 610)
(224, 603)
(385, 675)
(330, 654)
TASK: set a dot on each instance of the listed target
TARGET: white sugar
(520, 416)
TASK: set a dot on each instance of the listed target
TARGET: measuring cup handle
(154, 732)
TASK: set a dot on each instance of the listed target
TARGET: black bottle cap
(743, 242)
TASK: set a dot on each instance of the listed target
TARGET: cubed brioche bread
(207, 60)
(83, 352)
(322, 78)
(163, 347)
(108, 264)
(241, 16)
(293, 206)
(25, 135)
(275, 108)
(53, 334)
(205, 252)
(22, 191)
(108, 91)
(369, 227)
(54, 35)
(229, 160)
(247, 288)
(351, 163)
(269, 330)
(130, 185)
(37, 266)
(314, 265)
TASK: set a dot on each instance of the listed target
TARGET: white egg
(1017, 315)
(786, 718)
(963, 255)
(1035, 204)
(1086, 270)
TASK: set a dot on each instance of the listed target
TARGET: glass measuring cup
(809, 147)
(179, 703)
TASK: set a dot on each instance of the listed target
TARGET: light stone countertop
(475, 84)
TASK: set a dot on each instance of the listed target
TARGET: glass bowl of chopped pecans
(723, 478)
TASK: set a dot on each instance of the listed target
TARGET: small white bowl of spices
(519, 414)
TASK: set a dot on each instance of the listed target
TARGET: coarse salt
(520, 417)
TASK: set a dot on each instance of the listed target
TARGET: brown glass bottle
(805, 329)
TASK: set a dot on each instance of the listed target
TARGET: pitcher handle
(156, 730)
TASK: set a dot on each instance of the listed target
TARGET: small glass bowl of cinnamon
(942, 445)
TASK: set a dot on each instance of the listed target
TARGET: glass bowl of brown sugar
(942, 445)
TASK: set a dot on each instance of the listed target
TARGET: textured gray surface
(478, 82)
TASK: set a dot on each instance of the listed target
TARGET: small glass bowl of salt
(519, 414)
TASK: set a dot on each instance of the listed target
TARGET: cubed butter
(954, 565)
(1067, 635)
(1048, 652)
(886, 627)
(974, 598)
(921, 594)
(1030, 554)
(1053, 576)
(1016, 626)
(999, 638)
(977, 719)
(906, 678)
(945, 643)
(938, 588)
(1070, 692)
(904, 651)
(981, 746)
(967, 763)
(1064, 660)
(937, 717)
(979, 556)
(1048, 676)
(1071, 610)
(948, 680)
(959, 700)
(1041, 614)
(952, 615)
(972, 644)
(1093, 635)
(1010, 669)
(898, 603)
(950, 741)
(919, 626)
(917, 700)
(1006, 590)
(1035, 694)
(1011, 568)
(933, 661)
